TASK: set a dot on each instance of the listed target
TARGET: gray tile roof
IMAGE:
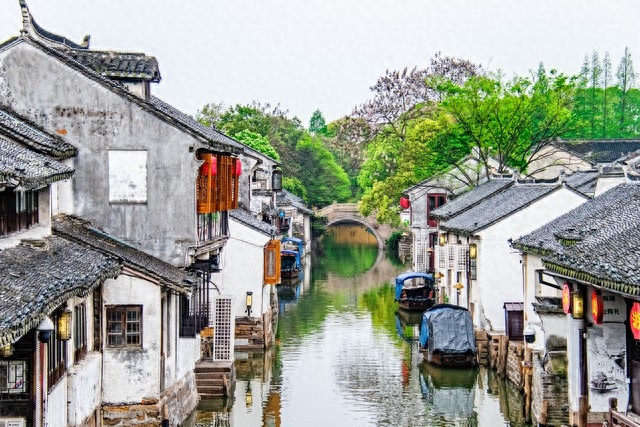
(130, 65)
(604, 253)
(34, 281)
(286, 198)
(496, 207)
(27, 133)
(248, 219)
(165, 112)
(29, 24)
(583, 181)
(19, 166)
(470, 198)
(601, 151)
(584, 220)
(83, 233)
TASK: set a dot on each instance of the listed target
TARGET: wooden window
(272, 263)
(13, 378)
(57, 350)
(18, 210)
(434, 201)
(79, 332)
(217, 184)
(124, 326)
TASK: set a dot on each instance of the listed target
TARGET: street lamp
(458, 287)
(249, 302)
(44, 329)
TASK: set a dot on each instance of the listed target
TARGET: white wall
(56, 415)
(499, 272)
(129, 374)
(85, 388)
(243, 269)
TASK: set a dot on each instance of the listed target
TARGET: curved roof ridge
(31, 27)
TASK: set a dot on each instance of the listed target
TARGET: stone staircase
(215, 380)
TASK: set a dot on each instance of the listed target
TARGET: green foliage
(257, 142)
(317, 124)
(393, 241)
(318, 226)
(323, 178)
(295, 186)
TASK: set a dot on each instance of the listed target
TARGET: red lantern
(210, 165)
(566, 298)
(238, 170)
(597, 308)
(634, 320)
(404, 202)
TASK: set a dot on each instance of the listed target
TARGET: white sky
(308, 54)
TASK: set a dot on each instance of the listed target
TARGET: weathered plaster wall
(131, 374)
(57, 404)
(85, 388)
(499, 270)
(97, 120)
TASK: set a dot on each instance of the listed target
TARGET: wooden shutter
(205, 185)
(272, 263)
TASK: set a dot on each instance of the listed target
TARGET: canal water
(345, 357)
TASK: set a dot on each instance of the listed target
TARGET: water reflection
(346, 356)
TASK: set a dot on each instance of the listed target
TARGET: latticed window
(272, 263)
(223, 325)
(13, 378)
(442, 258)
(124, 326)
(217, 183)
(422, 252)
(461, 264)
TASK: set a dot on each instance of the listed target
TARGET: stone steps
(215, 379)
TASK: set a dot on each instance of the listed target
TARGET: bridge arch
(360, 221)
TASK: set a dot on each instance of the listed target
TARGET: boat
(289, 263)
(415, 291)
(447, 337)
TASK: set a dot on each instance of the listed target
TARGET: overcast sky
(325, 54)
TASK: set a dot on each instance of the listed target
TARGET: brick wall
(550, 383)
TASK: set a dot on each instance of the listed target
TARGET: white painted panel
(127, 176)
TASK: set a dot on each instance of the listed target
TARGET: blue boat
(447, 337)
(415, 291)
(289, 263)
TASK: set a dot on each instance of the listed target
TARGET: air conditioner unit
(13, 422)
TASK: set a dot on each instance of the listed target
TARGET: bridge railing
(338, 207)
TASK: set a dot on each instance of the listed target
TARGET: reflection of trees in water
(509, 397)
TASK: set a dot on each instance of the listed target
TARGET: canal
(344, 357)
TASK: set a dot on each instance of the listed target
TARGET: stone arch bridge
(337, 213)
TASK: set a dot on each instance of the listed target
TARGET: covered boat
(289, 263)
(415, 291)
(447, 337)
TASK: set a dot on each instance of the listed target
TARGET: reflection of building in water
(450, 393)
(353, 234)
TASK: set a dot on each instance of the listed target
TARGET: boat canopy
(402, 278)
(293, 254)
(447, 328)
(297, 241)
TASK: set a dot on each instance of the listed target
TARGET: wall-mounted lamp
(44, 330)
(473, 251)
(458, 287)
(577, 304)
(529, 334)
(6, 350)
(249, 302)
(442, 239)
(64, 325)
(439, 275)
(276, 180)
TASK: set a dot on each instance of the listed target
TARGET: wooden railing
(619, 419)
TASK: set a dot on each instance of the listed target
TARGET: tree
(257, 142)
(509, 121)
(317, 124)
(595, 75)
(626, 80)
(606, 80)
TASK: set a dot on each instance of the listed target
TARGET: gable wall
(499, 269)
(96, 120)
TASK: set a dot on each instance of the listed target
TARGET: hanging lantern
(634, 320)
(566, 298)
(473, 250)
(442, 239)
(276, 180)
(238, 169)
(577, 304)
(597, 308)
(6, 350)
(210, 165)
(64, 325)
(404, 202)
(213, 165)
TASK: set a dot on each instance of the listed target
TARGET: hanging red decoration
(238, 170)
(634, 320)
(404, 202)
(597, 308)
(566, 298)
